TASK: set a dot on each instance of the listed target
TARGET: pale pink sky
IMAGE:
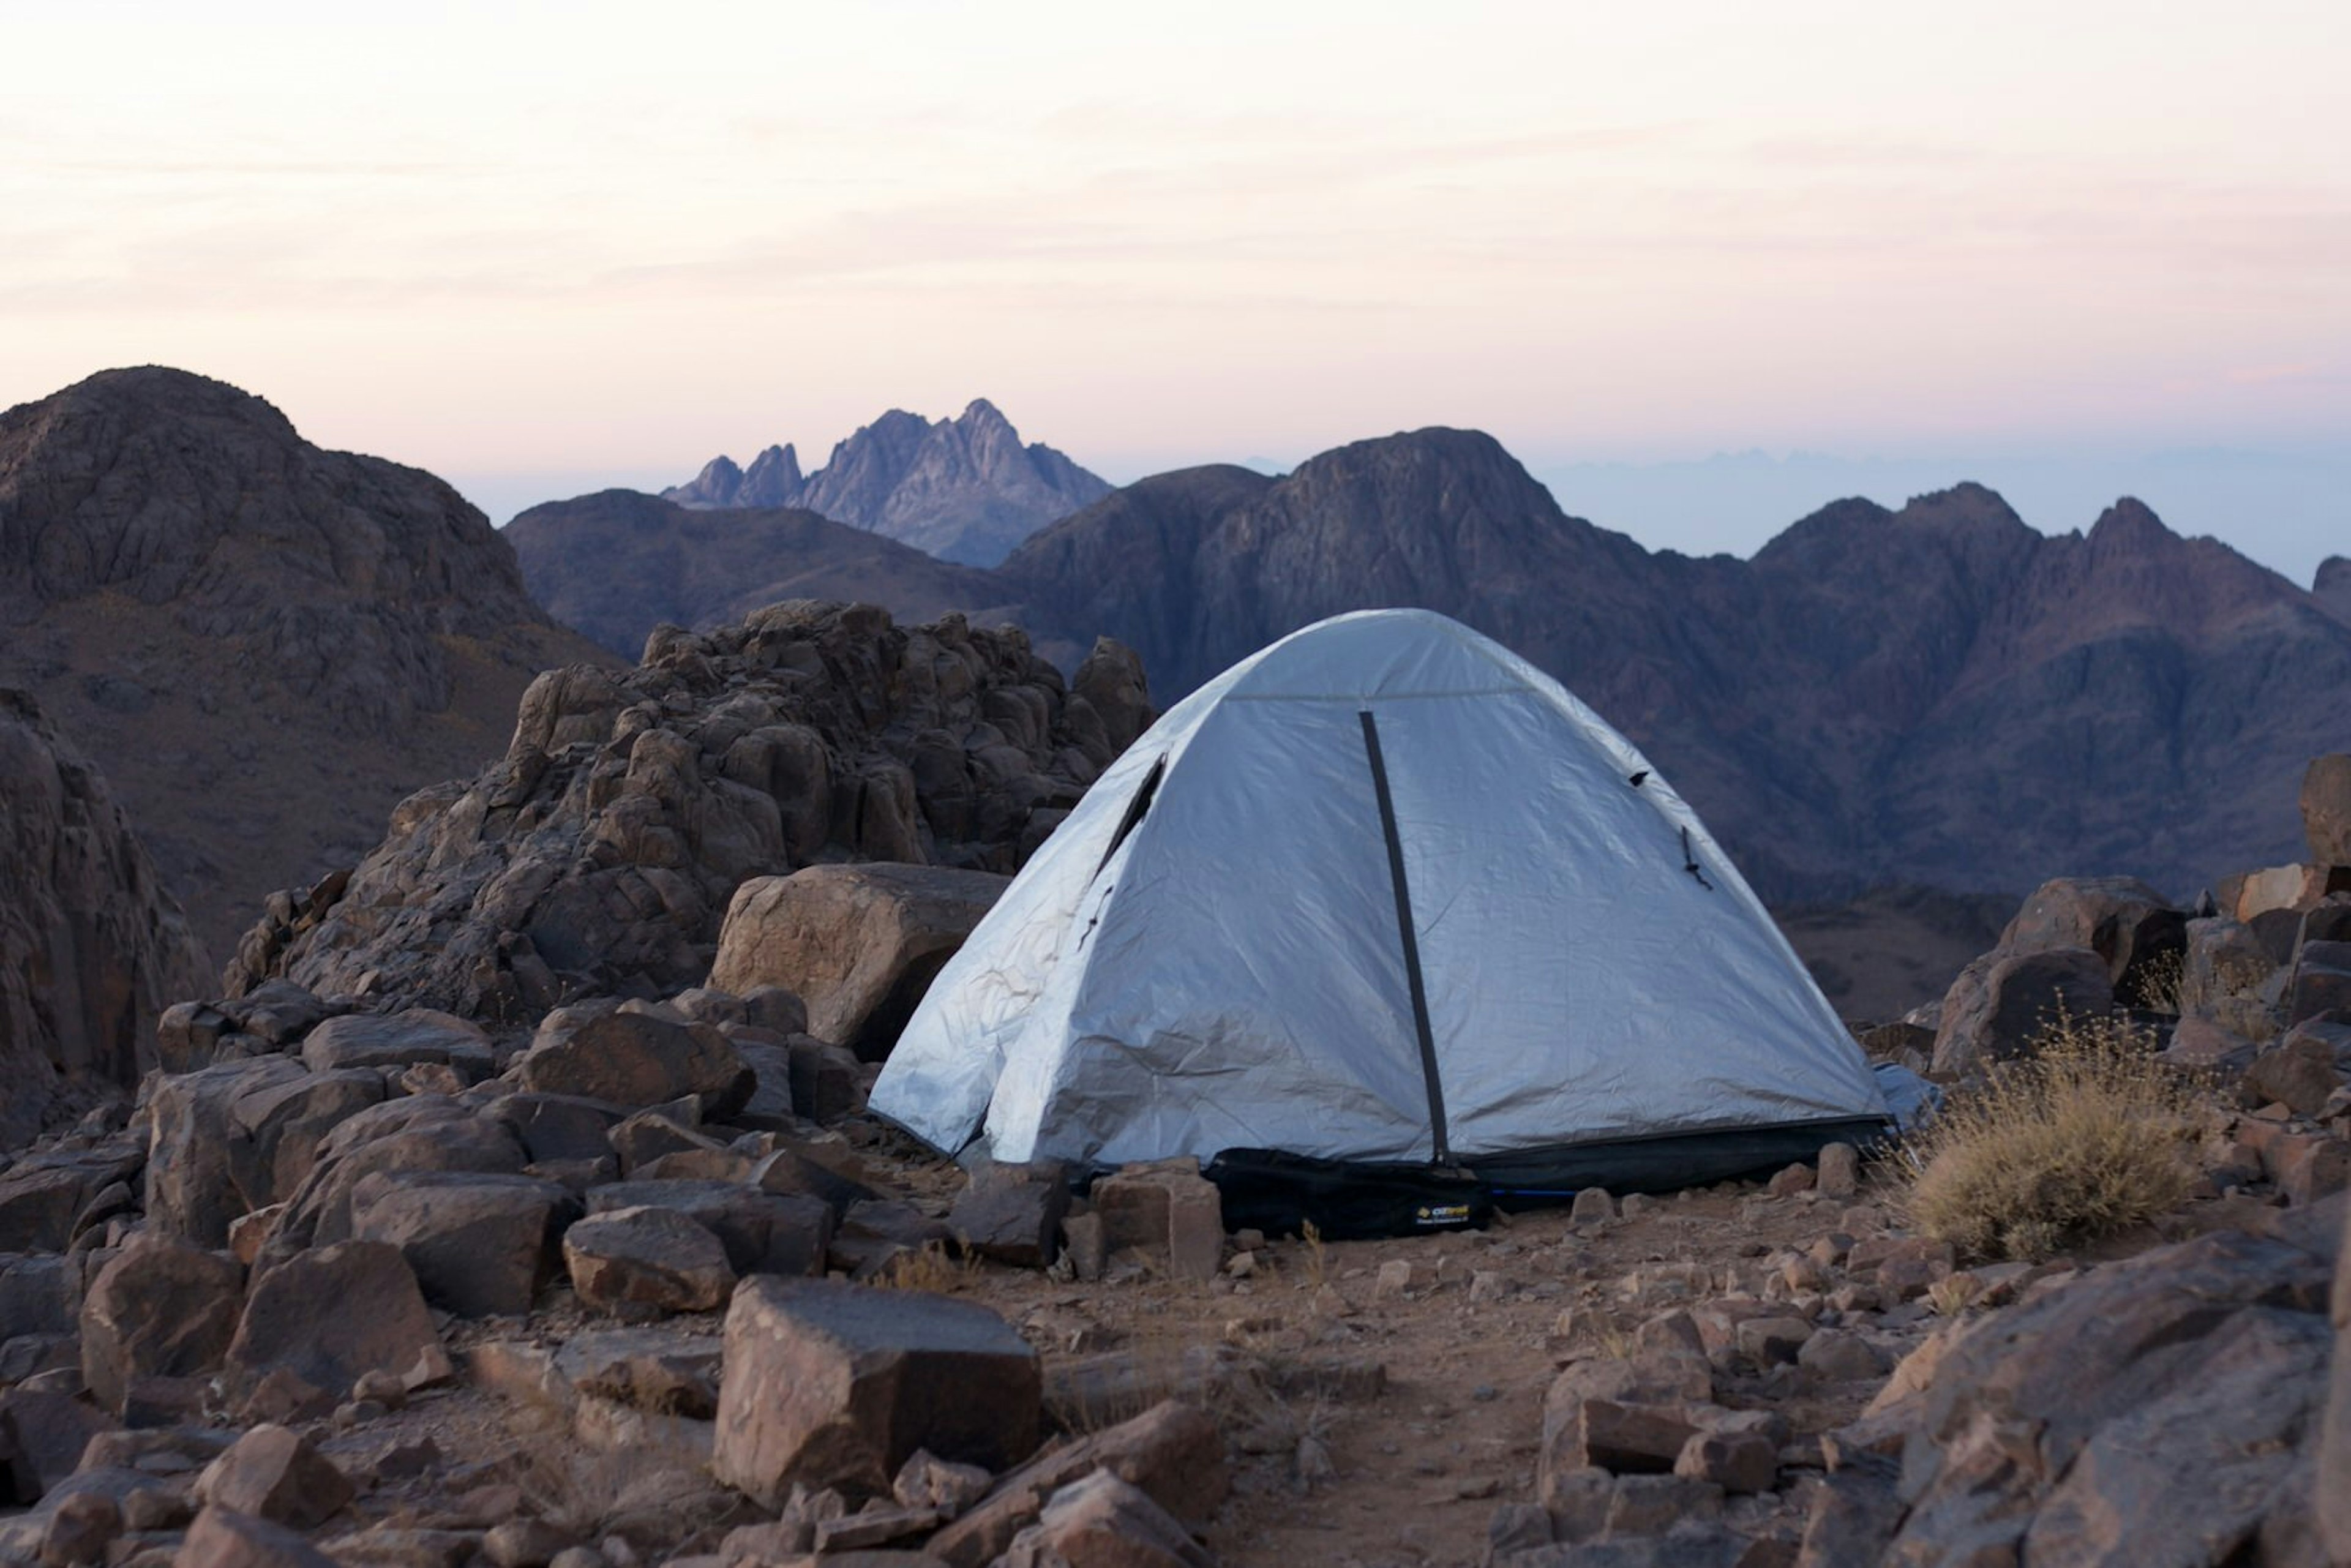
(595, 239)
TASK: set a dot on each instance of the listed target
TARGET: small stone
(1487, 1285)
(383, 1388)
(925, 1480)
(1840, 1171)
(1394, 1279)
(1593, 1205)
(1790, 1181)
(1772, 1341)
(524, 1544)
(1637, 1204)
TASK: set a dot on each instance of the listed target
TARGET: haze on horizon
(2048, 246)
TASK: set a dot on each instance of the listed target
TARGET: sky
(1691, 262)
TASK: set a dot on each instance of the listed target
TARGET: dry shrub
(2089, 1135)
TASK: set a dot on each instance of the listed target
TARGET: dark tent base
(1279, 1194)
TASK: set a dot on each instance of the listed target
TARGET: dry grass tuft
(929, 1269)
(2090, 1135)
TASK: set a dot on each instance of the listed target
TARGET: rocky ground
(440, 1243)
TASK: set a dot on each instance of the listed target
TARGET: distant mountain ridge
(965, 489)
(1934, 694)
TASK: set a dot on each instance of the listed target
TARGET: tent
(1382, 897)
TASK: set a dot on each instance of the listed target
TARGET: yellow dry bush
(2087, 1136)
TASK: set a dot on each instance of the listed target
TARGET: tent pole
(1411, 942)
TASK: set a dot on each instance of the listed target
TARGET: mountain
(1936, 695)
(964, 490)
(91, 947)
(264, 646)
(2332, 587)
(617, 564)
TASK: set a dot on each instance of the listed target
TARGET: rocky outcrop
(263, 644)
(92, 948)
(964, 489)
(2167, 1408)
(617, 564)
(599, 856)
(860, 945)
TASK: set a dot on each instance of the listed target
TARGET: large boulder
(161, 1308)
(634, 1057)
(763, 1231)
(646, 1262)
(415, 1133)
(2120, 918)
(859, 944)
(2326, 808)
(92, 949)
(2004, 1001)
(272, 1472)
(192, 1188)
(832, 1385)
(400, 1039)
(481, 1243)
(332, 1313)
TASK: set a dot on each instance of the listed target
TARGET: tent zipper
(1442, 1148)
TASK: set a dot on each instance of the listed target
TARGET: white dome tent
(1383, 898)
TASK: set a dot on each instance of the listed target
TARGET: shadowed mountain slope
(264, 646)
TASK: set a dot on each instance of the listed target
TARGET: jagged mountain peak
(963, 489)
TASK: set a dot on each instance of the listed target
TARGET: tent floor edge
(1536, 1178)
(1279, 1194)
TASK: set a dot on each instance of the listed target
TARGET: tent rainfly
(1382, 899)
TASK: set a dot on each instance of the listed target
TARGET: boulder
(414, 1133)
(640, 1262)
(830, 1384)
(2298, 1073)
(42, 1436)
(2224, 959)
(398, 1039)
(1173, 1451)
(634, 1059)
(1166, 1209)
(763, 1232)
(160, 1307)
(280, 1127)
(2001, 1003)
(331, 1314)
(481, 1244)
(1102, 1521)
(272, 1472)
(2127, 923)
(192, 1190)
(221, 1538)
(2326, 808)
(858, 943)
(1012, 1214)
(2322, 982)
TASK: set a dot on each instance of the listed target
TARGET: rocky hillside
(599, 856)
(963, 489)
(92, 949)
(618, 564)
(264, 646)
(1937, 695)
